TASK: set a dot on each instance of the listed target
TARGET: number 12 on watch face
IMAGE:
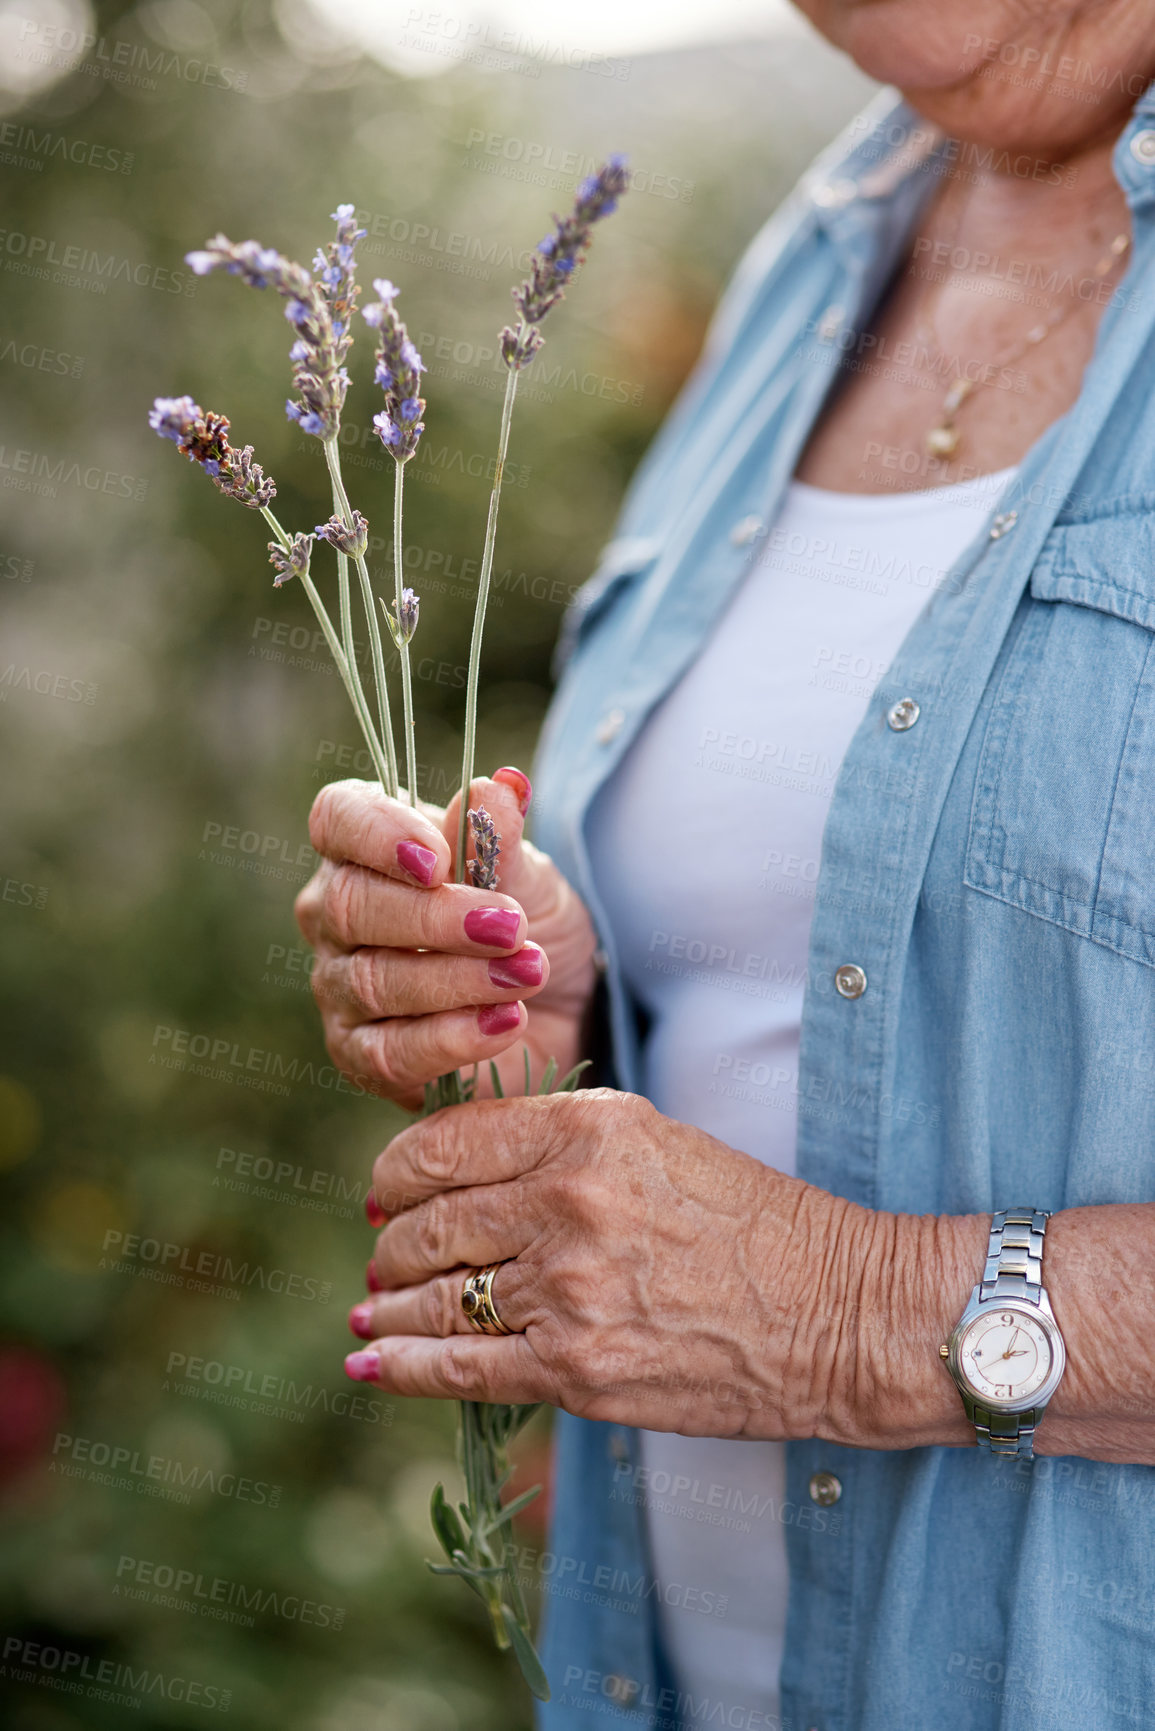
(1005, 1355)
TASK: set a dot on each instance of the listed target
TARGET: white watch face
(1005, 1355)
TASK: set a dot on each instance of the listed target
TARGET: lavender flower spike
(399, 370)
(293, 562)
(320, 313)
(204, 438)
(352, 541)
(557, 257)
(486, 847)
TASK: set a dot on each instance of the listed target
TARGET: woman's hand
(655, 1276)
(417, 975)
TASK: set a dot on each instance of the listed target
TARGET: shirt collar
(887, 160)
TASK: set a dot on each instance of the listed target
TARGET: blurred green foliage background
(202, 1514)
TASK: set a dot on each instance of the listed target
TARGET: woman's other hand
(416, 975)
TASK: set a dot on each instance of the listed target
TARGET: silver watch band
(1014, 1269)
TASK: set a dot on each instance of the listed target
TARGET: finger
(360, 906)
(404, 1052)
(355, 821)
(460, 1228)
(434, 1307)
(488, 1142)
(368, 983)
(476, 1367)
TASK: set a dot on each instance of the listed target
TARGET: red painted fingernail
(374, 1213)
(361, 1321)
(420, 862)
(498, 1018)
(524, 968)
(363, 1366)
(373, 1279)
(520, 783)
(496, 926)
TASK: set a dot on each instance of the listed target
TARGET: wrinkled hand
(416, 975)
(655, 1276)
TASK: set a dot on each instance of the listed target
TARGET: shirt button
(619, 1450)
(830, 323)
(904, 714)
(1006, 520)
(825, 1489)
(836, 194)
(849, 980)
(1143, 148)
(746, 531)
(610, 726)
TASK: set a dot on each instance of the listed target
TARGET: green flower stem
(342, 506)
(479, 623)
(403, 645)
(356, 697)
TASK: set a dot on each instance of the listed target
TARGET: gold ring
(477, 1301)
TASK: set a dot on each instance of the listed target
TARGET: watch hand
(1014, 1337)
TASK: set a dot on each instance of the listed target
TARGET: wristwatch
(1005, 1352)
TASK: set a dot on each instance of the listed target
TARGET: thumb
(505, 796)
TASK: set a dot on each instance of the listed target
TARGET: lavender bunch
(475, 1535)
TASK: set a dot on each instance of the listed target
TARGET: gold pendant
(943, 441)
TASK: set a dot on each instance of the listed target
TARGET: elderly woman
(883, 598)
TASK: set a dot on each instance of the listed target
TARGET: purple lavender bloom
(204, 438)
(398, 372)
(293, 562)
(557, 257)
(320, 313)
(352, 541)
(486, 846)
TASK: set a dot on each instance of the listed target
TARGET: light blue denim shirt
(992, 869)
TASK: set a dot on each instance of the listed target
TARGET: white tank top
(712, 923)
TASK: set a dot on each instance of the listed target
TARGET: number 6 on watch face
(1005, 1355)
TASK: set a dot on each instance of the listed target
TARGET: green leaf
(513, 1509)
(526, 1655)
(445, 1523)
(547, 1077)
(569, 1082)
(528, 1081)
(495, 1079)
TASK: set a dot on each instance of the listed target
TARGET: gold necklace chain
(944, 438)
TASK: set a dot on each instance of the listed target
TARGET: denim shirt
(992, 869)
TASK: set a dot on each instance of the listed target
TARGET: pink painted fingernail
(373, 1279)
(519, 782)
(496, 926)
(363, 1366)
(498, 1018)
(374, 1213)
(420, 862)
(361, 1321)
(524, 968)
